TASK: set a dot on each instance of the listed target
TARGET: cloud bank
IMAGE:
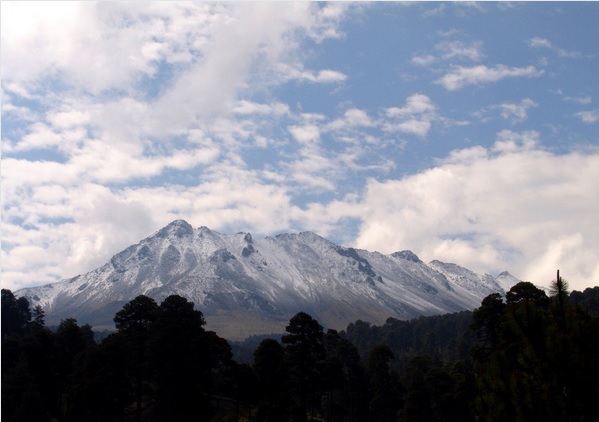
(121, 117)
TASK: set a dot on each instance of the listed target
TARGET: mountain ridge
(246, 286)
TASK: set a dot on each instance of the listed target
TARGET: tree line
(526, 356)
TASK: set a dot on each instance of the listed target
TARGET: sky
(464, 132)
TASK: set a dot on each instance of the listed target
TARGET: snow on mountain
(507, 281)
(248, 286)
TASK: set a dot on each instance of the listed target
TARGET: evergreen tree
(559, 299)
(101, 386)
(133, 323)
(39, 316)
(16, 314)
(417, 403)
(182, 356)
(344, 381)
(384, 385)
(487, 323)
(274, 403)
(304, 352)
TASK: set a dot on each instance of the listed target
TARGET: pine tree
(304, 352)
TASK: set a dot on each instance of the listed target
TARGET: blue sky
(465, 132)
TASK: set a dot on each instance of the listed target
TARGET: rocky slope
(248, 286)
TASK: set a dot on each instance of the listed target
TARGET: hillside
(247, 286)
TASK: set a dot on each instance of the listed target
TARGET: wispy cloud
(459, 49)
(423, 60)
(321, 76)
(591, 116)
(583, 100)
(451, 50)
(515, 112)
(538, 42)
(482, 74)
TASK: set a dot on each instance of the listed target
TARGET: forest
(525, 356)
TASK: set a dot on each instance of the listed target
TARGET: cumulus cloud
(415, 117)
(351, 119)
(490, 209)
(75, 229)
(143, 96)
(120, 117)
(494, 209)
(482, 74)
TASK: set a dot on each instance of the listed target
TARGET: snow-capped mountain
(248, 286)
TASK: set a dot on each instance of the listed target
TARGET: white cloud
(245, 107)
(307, 134)
(131, 115)
(540, 42)
(105, 47)
(451, 50)
(438, 11)
(326, 76)
(481, 74)
(94, 222)
(583, 100)
(323, 76)
(415, 117)
(491, 210)
(413, 126)
(537, 42)
(351, 120)
(423, 60)
(459, 49)
(312, 169)
(415, 104)
(590, 116)
(518, 112)
(515, 112)
(127, 93)
(511, 142)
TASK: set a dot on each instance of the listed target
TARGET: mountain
(247, 286)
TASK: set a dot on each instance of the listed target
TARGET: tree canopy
(525, 356)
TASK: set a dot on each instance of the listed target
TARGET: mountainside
(248, 286)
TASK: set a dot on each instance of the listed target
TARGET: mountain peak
(248, 286)
(178, 228)
(506, 280)
(407, 255)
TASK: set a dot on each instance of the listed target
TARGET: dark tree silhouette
(304, 349)
(15, 314)
(487, 321)
(384, 385)
(274, 401)
(527, 292)
(133, 323)
(137, 315)
(182, 356)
